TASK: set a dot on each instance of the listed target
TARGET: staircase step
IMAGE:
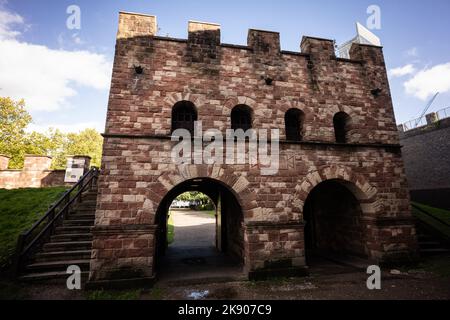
(84, 222)
(81, 216)
(84, 209)
(436, 251)
(63, 256)
(58, 265)
(49, 277)
(87, 203)
(430, 244)
(72, 237)
(73, 229)
(67, 246)
(424, 237)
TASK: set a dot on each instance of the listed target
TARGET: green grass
(211, 212)
(113, 295)
(439, 266)
(442, 214)
(19, 209)
(170, 230)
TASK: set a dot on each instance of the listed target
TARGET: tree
(88, 142)
(13, 121)
(15, 142)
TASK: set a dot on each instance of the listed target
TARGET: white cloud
(44, 77)
(429, 81)
(7, 20)
(67, 128)
(402, 71)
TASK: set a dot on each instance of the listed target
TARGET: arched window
(341, 123)
(183, 116)
(241, 118)
(293, 120)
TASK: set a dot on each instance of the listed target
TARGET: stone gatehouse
(341, 186)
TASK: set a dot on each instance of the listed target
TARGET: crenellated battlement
(262, 42)
(150, 69)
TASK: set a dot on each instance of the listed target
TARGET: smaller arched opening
(196, 242)
(333, 221)
(293, 120)
(241, 117)
(184, 114)
(341, 123)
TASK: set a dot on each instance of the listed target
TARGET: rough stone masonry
(345, 197)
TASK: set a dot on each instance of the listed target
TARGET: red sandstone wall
(35, 174)
(15, 179)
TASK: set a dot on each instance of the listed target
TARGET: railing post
(17, 263)
(79, 200)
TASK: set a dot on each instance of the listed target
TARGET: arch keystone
(240, 185)
(165, 183)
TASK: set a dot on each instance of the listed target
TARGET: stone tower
(341, 183)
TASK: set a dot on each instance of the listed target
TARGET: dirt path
(418, 284)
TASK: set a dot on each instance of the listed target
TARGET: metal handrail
(422, 121)
(47, 224)
(430, 215)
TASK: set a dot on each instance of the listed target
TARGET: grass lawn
(442, 214)
(211, 212)
(19, 209)
(170, 230)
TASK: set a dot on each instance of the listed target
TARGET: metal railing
(32, 240)
(443, 113)
(421, 122)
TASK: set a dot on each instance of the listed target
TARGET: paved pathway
(193, 229)
(193, 255)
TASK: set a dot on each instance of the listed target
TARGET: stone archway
(335, 204)
(228, 192)
(363, 190)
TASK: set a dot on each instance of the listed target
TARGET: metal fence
(444, 113)
(420, 122)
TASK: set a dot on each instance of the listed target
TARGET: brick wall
(36, 173)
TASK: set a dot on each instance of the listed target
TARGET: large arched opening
(333, 222)
(197, 254)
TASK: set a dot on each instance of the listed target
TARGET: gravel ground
(428, 281)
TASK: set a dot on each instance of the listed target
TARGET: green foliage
(13, 121)
(88, 142)
(207, 207)
(50, 143)
(19, 210)
(170, 230)
(204, 200)
(16, 143)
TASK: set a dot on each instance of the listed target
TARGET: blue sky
(64, 74)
